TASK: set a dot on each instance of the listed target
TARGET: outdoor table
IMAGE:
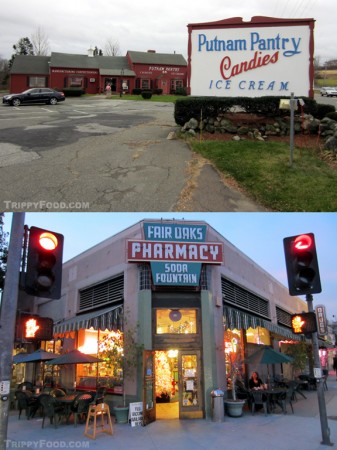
(67, 401)
(273, 397)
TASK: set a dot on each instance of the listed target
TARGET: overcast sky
(74, 26)
(258, 235)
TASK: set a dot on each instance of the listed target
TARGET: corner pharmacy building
(195, 300)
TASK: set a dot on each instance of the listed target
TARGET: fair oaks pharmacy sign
(175, 252)
(265, 56)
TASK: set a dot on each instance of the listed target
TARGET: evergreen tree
(22, 47)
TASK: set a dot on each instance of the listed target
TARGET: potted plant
(120, 350)
(234, 406)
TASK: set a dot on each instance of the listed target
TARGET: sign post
(318, 375)
(7, 319)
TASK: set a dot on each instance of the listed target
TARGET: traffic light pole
(320, 388)
(7, 320)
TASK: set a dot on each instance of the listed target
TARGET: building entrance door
(112, 82)
(178, 386)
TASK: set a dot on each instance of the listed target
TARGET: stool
(94, 412)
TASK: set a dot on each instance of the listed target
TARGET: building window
(35, 82)
(176, 321)
(144, 276)
(236, 295)
(145, 84)
(203, 278)
(283, 317)
(75, 82)
(107, 293)
(176, 84)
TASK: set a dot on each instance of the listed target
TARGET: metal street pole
(7, 319)
(292, 127)
(320, 388)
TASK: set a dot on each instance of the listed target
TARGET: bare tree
(112, 48)
(40, 42)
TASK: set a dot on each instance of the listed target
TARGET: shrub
(157, 91)
(212, 107)
(181, 91)
(136, 91)
(332, 115)
(146, 94)
(73, 92)
(323, 110)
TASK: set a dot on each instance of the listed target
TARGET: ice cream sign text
(176, 252)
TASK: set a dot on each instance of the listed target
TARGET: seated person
(255, 382)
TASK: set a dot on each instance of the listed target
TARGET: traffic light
(304, 323)
(33, 328)
(302, 264)
(44, 263)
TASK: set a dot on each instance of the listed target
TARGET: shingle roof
(28, 64)
(88, 62)
(172, 59)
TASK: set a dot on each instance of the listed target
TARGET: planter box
(234, 408)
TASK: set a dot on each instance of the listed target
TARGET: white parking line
(81, 112)
(23, 118)
(48, 110)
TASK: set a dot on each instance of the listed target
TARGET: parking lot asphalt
(298, 431)
(92, 155)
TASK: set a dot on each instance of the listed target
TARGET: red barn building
(143, 70)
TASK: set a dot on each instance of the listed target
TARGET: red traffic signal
(304, 323)
(44, 263)
(302, 265)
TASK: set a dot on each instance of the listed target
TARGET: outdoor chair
(56, 392)
(26, 402)
(280, 381)
(80, 407)
(51, 409)
(26, 385)
(259, 398)
(100, 393)
(311, 381)
(288, 397)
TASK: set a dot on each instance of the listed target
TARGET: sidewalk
(301, 430)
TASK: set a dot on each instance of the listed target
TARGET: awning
(104, 319)
(241, 320)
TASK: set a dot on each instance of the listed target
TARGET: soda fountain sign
(263, 57)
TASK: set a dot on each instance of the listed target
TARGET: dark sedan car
(36, 95)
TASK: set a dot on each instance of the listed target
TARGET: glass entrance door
(191, 399)
(178, 384)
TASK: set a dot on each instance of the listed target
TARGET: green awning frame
(105, 319)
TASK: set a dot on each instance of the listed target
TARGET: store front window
(76, 82)
(258, 335)
(176, 321)
(36, 82)
(104, 345)
(234, 356)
